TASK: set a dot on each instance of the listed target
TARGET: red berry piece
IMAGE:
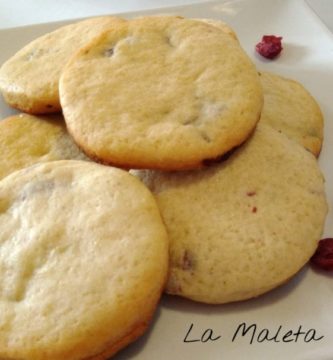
(270, 46)
(323, 257)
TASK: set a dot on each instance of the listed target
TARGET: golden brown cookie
(242, 227)
(83, 260)
(27, 139)
(160, 92)
(291, 109)
(29, 79)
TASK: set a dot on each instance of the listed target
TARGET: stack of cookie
(226, 152)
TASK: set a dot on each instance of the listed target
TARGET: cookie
(83, 261)
(27, 139)
(161, 93)
(220, 25)
(242, 227)
(29, 79)
(291, 109)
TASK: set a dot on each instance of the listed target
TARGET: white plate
(306, 300)
(324, 9)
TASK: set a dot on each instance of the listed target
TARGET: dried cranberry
(323, 257)
(270, 46)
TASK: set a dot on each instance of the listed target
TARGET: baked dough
(26, 140)
(83, 261)
(292, 110)
(244, 226)
(29, 79)
(160, 92)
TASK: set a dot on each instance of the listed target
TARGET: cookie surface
(83, 259)
(29, 79)
(291, 109)
(27, 139)
(220, 25)
(160, 92)
(242, 227)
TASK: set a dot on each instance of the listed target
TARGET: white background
(26, 12)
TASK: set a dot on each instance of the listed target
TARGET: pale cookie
(27, 139)
(29, 79)
(220, 25)
(83, 259)
(290, 108)
(160, 92)
(244, 226)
